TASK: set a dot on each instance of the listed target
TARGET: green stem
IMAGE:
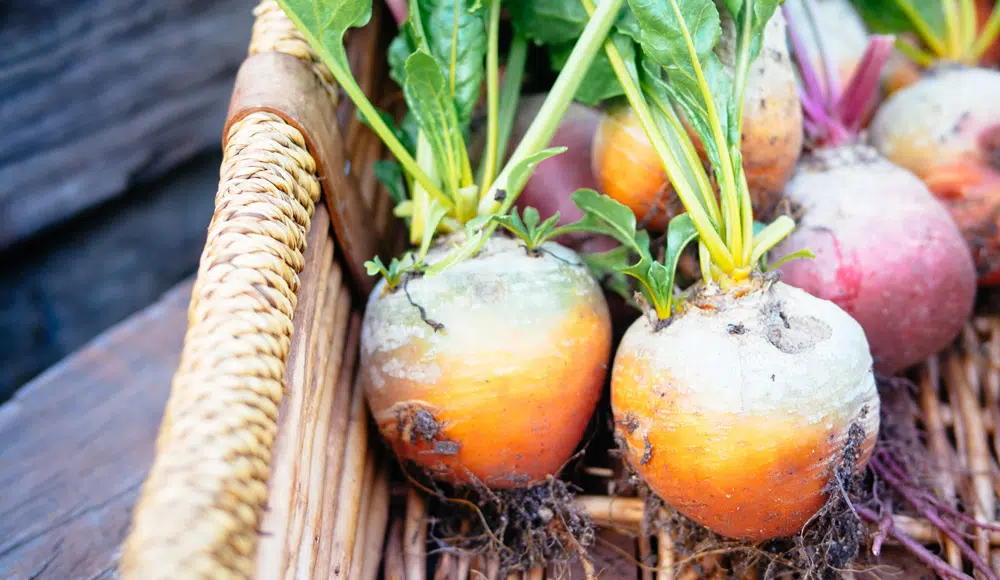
(492, 88)
(743, 64)
(544, 126)
(355, 93)
(708, 234)
(914, 53)
(747, 221)
(988, 35)
(952, 25)
(730, 201)
(357, 96)
(421, 202)
(968, 9)
(691, 157)
(923, 29)
(510, 93)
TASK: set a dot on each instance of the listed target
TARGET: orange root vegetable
(726, 417)
(628, 169)
(625, 163)
(488, 372)
(946, 129)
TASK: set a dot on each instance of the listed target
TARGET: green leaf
(763, 10)
(375, 266)
(603, 215)
(889, 16)
(426, 93)
(601, 82)
(396, 269)
(680, 233)
(406, 138)
(390, 174)
(530, 217)
(663, 27)
(520, 172)
(329, 20)
(400, 49)
(456, 36)
(608, 267)
(733, 6)
(803, 253)
(544, 231)
(548, 21)
(432, 218)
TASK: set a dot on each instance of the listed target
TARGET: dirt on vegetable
(523, 528)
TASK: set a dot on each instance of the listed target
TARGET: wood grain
(97, 95)
(75, 445)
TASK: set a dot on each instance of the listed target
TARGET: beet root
(946, 129)
(887, 252)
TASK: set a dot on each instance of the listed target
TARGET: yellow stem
(952, 27)
(988, 35)
(968, 8)
(914, 53)
(923, 29)
(730, 202)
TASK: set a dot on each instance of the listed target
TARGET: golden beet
(496, 380)
(737, 413)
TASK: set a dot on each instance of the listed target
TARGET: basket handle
(294, 93)
(199, 511)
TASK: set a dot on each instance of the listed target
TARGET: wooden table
(75, 445)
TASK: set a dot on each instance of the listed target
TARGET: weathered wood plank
(100, 94)
(64, 288)
(75, 445)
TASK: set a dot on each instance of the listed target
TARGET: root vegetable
(482, 356)
(888, 252)
(945, 125)
(625, 162)
(946, 129)
(724, 414)
(502, 391)
(742, 401)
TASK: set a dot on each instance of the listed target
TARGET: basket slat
(230, 420)
(200, 507)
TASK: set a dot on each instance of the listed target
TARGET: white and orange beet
(490, 371)
(739, 410)
(738, 401)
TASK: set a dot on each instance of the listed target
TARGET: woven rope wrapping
(201, 505)
(274, 32)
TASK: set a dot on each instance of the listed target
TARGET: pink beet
(887, 251)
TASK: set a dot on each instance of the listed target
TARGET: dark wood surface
(63, 289)
(96, 95)
(75, 445)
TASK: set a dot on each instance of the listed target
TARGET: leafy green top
(669, 71)
(438, 60)
(946, 29)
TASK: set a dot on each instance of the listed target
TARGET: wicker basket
(266, 464)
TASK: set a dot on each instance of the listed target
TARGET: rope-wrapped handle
(200, 509)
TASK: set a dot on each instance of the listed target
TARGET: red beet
(887, 252)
